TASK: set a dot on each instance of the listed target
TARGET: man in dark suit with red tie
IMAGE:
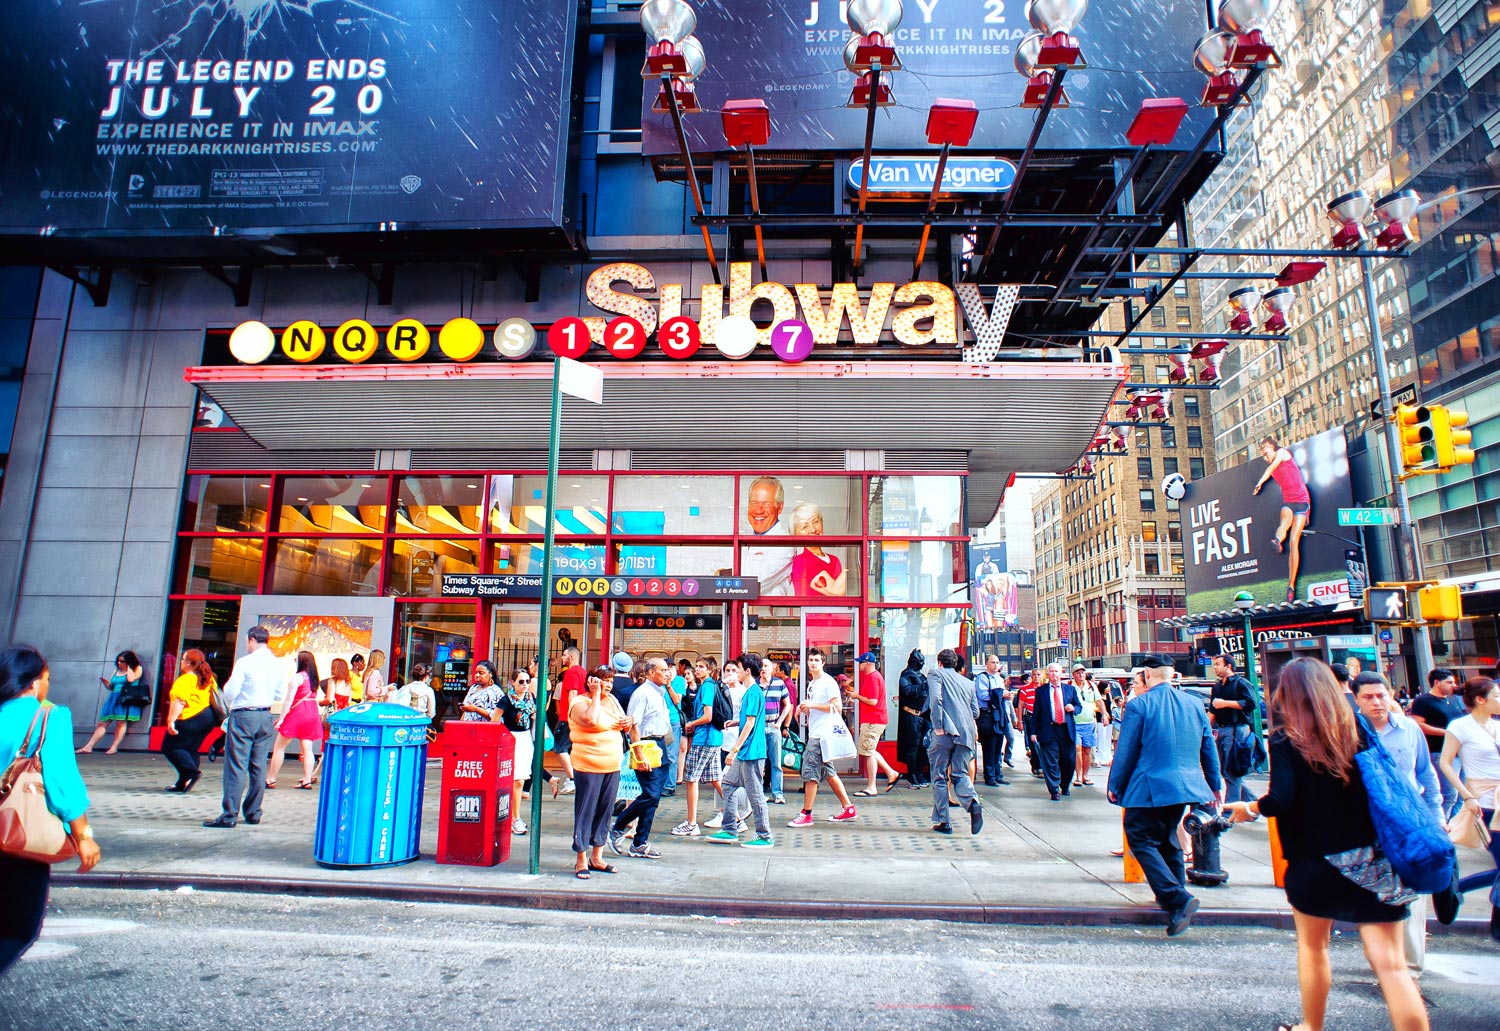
(1052, 730)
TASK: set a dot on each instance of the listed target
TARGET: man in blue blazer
(1164, 761)
(1052, 730)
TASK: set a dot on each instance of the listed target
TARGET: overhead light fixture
(951, 122)
(682, 83)
(874, 23)
(1178, 373)
(1214, 57)
(1278, 302)
(1211, 354)
(1038, 79)
(1395, 210)
(747, 123)
(1350, 212)
(1246, 18)
(1298, 272)
(1243, 303)
(1157, 121)
(666, 23)
(1055, 20)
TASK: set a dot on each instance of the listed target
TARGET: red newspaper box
(478, 774)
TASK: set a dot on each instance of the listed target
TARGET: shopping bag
(837, 743)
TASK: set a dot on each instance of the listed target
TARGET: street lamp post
(1245, 602)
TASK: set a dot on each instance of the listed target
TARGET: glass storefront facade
(880, 551)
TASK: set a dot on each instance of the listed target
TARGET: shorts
(1085, 735)
(869, 737)
(704, 766)
(814, 767)
(562, 738)
(1299, 507)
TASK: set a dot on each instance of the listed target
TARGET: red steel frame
(485, 538)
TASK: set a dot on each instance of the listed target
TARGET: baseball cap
(1155, 662)
(867, 657)
(1078, 666)
(622, 662)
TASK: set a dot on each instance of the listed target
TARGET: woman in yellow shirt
(189, 719)
(595, 722)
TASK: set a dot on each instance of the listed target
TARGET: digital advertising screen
(216, 117)
(789, 53)
(1270, 527)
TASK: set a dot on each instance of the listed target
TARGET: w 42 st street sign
(1367, 517)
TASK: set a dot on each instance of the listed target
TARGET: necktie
(1057, 706)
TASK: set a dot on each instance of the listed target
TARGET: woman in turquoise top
(23, 691)
(127, 671)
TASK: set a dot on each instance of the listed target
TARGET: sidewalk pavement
(1036, 861)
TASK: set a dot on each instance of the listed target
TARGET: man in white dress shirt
(258, 682)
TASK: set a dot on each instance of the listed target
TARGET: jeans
(181, 749)
(1234, 787)
(249, 735)
(643, 809)
(1151, 833)
(26, 902)
(669, 758)
(745, 775)
(950, 754)
(593, 804)
(1490, 877)
(773, 762)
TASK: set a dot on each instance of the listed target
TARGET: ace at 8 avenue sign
(203, 117)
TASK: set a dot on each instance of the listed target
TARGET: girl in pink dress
(300, 721)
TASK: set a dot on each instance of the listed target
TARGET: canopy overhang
(1020, 418)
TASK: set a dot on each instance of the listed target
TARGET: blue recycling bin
(370, 799)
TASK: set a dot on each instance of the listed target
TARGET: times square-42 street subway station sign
(598, 588)
(921, 313)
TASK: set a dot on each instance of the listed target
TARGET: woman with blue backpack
(1336, 869)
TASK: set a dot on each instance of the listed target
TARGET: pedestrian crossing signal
(1439, 603)
(1386, 605)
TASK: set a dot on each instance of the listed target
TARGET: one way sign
(1386, 605)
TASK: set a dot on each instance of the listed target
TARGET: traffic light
(1386, 605)
(1439, 603)
(1418, 437)
(1451, 439)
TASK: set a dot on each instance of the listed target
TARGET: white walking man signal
(1395, 603)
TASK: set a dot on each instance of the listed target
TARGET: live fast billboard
(210, 116)
(1237, 539)
(790, 54)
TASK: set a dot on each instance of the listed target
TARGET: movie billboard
(1270, 527)
(216, 116)
(996, 594)
(790, 54)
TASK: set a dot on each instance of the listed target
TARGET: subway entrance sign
(1367, 517)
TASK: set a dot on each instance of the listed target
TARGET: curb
(687, 905)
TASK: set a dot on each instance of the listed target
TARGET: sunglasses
(523, 680)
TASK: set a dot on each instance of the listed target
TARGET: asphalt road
(128, 959)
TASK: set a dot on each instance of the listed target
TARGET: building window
(1153, 564)
(1169, 465)
(1143, 468)
(1148, 531)
(1148, 500)
(1195, 436)
(1169, 436)
(1190, 404)
(1195, 468)
(1158, 318)
(1174, 532)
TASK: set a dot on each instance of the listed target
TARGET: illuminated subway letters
(921, 314)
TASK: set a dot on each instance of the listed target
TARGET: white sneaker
(568, 787)
(518, 826)
(686, 830)
(716, 822)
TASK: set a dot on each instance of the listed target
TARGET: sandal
(866, 793)
(605, 868)
(270, 785)
(305, 785)
(1087, 783)
(581, 874)
(1117, 852)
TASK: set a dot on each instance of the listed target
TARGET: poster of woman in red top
(1295, 506)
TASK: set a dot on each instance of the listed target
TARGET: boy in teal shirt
(746, 766)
